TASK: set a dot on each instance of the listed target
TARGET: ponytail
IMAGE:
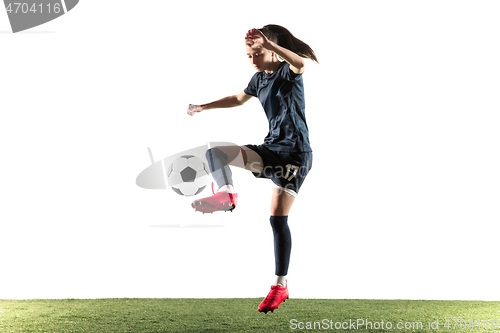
(284, 38)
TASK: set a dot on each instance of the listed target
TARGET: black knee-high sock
(218, 164)
(282, 244)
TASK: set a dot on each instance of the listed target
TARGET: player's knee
(216, 154)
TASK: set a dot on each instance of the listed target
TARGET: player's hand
(193, 109)
(256, 39)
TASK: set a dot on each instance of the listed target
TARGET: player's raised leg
(219, 159)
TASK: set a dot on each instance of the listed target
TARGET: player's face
(260, 58)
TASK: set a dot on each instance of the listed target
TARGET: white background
(403, 110)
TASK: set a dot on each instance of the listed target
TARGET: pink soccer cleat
(274, 299)
(220, 201)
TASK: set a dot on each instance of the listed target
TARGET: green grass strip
(241, 315)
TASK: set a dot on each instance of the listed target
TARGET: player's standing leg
(281, 204)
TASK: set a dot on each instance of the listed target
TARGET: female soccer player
(285, 157)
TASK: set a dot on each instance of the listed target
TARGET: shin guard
(218, 164)
(282, 243)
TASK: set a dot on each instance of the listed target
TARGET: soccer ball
(187, 175)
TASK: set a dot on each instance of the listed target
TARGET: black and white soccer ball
(187, 175)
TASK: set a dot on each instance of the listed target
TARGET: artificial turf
(241, 315)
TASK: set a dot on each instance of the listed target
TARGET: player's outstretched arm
(226, 102)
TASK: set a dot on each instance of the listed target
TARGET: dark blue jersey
(281, 94)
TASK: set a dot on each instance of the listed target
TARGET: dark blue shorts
(287, 170)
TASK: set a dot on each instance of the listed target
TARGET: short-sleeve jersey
(281, 94)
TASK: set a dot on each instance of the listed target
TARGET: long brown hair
(284, 38)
